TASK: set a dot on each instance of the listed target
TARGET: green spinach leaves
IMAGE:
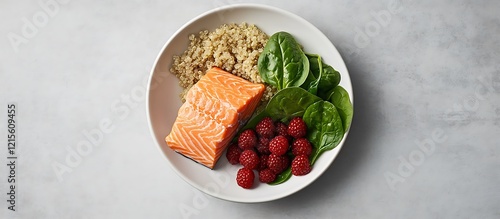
(324, 127)
(283, 64)
(315, 71)
(307, 88)
(290, 102)
(340, 98)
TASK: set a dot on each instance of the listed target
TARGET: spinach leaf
(290, 102)
(322, 77)
(282, 177)
(324, 127)
(330, 78)
(315, 71)
(311, 84)
(282, 63)
(340, 98)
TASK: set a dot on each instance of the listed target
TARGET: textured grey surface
(424, 142)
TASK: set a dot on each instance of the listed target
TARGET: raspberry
(249, 159)
(266, 176)
(263, 162)
(247, 139)
(301, 165)
(265, 128)
(233, 153)
(245, 178)
(263, 146)
(276, 163)
(301, 146)
(278, 145)
(297, 128)
(281, 129)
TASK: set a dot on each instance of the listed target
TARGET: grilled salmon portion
(215, 108)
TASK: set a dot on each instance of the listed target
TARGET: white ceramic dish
(163, 100)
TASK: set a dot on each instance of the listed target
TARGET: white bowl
(163, 100)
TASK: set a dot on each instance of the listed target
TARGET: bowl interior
(163, 99)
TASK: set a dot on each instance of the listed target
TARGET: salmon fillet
(215, 108)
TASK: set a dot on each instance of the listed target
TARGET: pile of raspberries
(268, 150)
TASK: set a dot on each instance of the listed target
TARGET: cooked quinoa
(232, 47)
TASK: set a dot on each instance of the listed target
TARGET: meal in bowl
(227, 73)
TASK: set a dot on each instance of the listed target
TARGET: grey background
(428, 75)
